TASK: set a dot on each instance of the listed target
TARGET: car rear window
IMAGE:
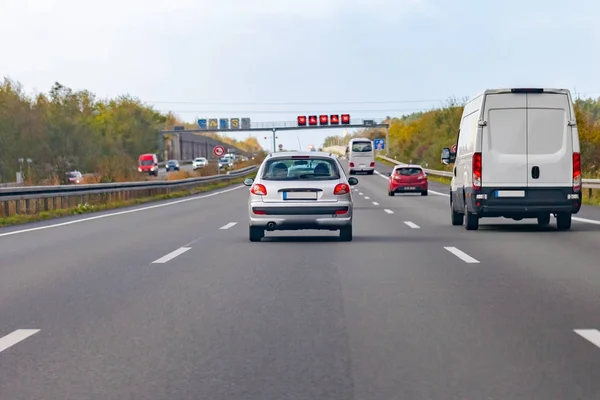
(409, 171)
(362, 147)
(293, 169)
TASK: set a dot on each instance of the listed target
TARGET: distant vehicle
(360, 155)
(74, 177)
(199, 162)
(148, 163)
(300, 190)
(172, 165)
(517, 156)
(225, 162)
(407, 179)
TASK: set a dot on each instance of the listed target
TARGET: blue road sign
(202, 123)
(379, 144)
(224, 123)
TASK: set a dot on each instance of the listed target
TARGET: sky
(272, 60)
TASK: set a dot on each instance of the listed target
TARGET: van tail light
(372, 164)
(258, 189)
(351, 164)
(341, 188)
(576, 172)
(477, 167)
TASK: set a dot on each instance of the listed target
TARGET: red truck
(148, 163)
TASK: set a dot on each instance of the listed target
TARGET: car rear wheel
(424, 193)
(346, 233)
(390, 193)
(256, 234)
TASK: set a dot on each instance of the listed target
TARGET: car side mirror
(352, 181)
(248, 182)
(448, 157)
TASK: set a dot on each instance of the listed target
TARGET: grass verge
(89, 208)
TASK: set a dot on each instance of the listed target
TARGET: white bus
(361, 157)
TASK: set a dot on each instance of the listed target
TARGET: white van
(361, 157)
(517, 156)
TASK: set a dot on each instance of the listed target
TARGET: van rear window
(362, 147)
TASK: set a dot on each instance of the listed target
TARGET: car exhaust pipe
(271, 225)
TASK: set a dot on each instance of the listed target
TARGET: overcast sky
(202, 58)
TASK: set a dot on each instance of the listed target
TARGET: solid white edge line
(411, 224)
(462, 255)
(229, 225)
(15, 337)
(375, 203)
(204, 196)
(388, 211)
(592, 335)
(587, 221)
(171, 255)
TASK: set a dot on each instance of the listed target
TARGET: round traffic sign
(453, 149)
(219, 151)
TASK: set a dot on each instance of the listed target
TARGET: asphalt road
(171, 301)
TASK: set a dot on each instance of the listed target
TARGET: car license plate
(362, 165)
(299, 195)
(410, 188)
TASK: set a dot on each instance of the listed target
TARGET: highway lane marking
(229, 225)
(204, 196)
(592, 335)
(462, 255)
(588, 221)
(429, 190)
(388, 211)
(412, 224)
(171, 255)
(360, 193)
(375, 203)
(17, 336)
(367, 198)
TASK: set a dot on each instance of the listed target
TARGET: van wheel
(471, 220)
(543, 220)
(563, 221)
(256, 234)
(457, 218)
(346, 233)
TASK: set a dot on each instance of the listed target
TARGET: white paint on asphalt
(360, 193)
(462, 255)
(114, 214)
(229, 225)
(429, 190)
(375, 203)
(388, 211)
(587, 221)
(412, 224)
(592, 335)
(172, 255)
(17, 336)
(367, 198)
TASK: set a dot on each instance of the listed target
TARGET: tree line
(66, 130)
(420, 137)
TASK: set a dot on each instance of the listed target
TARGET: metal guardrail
(587, 183)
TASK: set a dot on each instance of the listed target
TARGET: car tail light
(341, 188)
(341, 212)
(351, 164)
(576, 171)
(259, 212)
(421, 177)
(372, 164)
(258, 189)
(477, 167)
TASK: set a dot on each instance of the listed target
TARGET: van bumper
(523, 202)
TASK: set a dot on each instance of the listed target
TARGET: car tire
(346, 233)
(255, 234)
(390, 193)
(563, 221)
(471, 220)
(425, 193)
(370, 172)
(543, 220)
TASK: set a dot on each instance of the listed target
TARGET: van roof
(522, 90)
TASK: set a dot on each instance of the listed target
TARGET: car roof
(287, 154)
(408, 166)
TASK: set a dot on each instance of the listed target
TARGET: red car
(407, 179)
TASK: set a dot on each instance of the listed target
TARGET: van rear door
(549, 140)
(504, 141)
(361, 153)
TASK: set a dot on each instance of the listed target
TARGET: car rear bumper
(523, 202)
(277, 216)
(409, 188)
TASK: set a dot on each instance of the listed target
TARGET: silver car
(300, 190)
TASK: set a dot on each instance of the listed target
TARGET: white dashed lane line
(172, 255)
(388, 211)
(462, 255)
(591, 335)
(17, 336)
(367, 198)
(412, 224)
(360, 193)
(375, 203)
(229, 225)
